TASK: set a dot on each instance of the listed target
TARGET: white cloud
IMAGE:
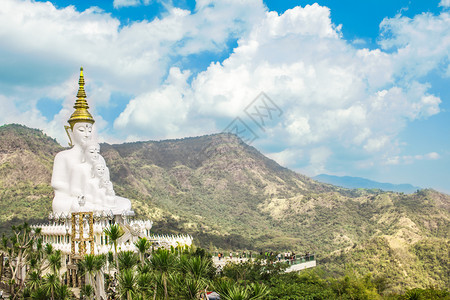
(376, 144)
(422, 40)
(43, 45)
(287, 156)
(330, 92)
(333, 95)
(432, 155)
(318, 161)
(134, 58)
(11, 114)
(409, 159)
(126, 3)
(163, 112)
(359, 42)
(444, 3)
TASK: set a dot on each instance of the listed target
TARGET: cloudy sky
(358, 88)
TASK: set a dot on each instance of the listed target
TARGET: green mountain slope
(26, 161)
(216, 184)
(228, 195)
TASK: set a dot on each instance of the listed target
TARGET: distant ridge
(358, 182)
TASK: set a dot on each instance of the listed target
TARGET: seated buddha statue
(79, 171)
(65, 168)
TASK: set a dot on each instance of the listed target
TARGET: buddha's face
(81, 133)
(99, 170)
(104, 182)
(109, 188)
(92, 152)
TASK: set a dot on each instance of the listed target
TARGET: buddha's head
(81, 134)
(98, 170)
(108, 186)
(92, 152)
(81, 120)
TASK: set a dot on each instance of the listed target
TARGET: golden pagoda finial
(81, 113)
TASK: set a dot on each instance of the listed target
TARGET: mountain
(363, 183)
(26, 160)
(229, 196)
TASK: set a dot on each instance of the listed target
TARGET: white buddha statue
(65, 168)
(78, 172)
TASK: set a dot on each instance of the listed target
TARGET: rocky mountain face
(26, 160)
(227, 195)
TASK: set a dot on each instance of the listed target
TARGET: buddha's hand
(81, 200)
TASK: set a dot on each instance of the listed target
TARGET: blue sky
(359, 88)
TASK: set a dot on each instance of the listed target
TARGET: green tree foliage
(127, 284)
(164, 262)
(64, 293)
(114, 232)
(425, 294)
(127, 260)
(143, 245)
(351, 287)
(188, 273)
(91, 266)
(230, 290)
(256, 270)
(19, 248)
(51, 284)
(196, 266)
(86, 291)
(54, 260)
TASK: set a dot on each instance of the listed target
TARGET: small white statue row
(180, 241)
(81, 179)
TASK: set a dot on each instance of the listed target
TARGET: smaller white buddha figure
(92, 152)
(110, 199)
(81, 179)
(93, 191)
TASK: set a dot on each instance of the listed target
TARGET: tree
(48, 249)
(143, 245)
(257, 291)
(54, 260)
(90, 266)
(197, 266)
(144, 282)
(355, 287)
(127, 260)
(188, 287)
(34, 280)
(114, 232)
(51, 284)
(19, 247)
(229, 290)
(39, 294)
(163, 262)
(64, 292)
(87, 268)
(86, 290)
(127, 283)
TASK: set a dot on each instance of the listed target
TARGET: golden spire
(81, 113)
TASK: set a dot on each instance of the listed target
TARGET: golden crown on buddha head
(81, 113)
